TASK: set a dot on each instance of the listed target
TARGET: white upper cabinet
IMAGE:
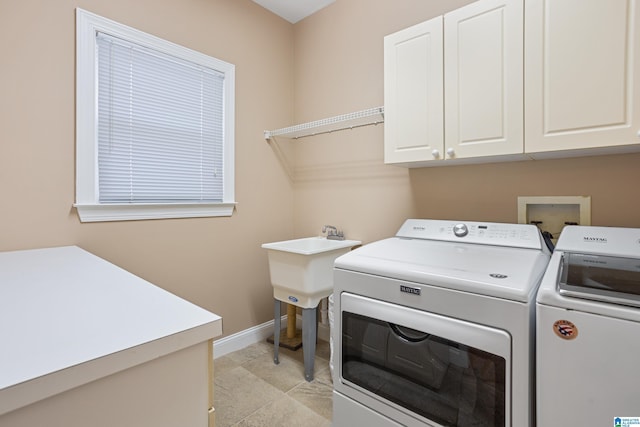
(454, 86)
(413, 90)
(582, 86)
(483, 80)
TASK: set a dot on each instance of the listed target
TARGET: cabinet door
(483, 61)
(582, 62)
(413, 124)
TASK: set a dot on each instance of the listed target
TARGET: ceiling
(294, 10)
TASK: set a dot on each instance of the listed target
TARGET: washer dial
(460, 230)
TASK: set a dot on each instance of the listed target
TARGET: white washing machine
(588, 330)
(434, 327)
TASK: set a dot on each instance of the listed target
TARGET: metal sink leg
(309, 334)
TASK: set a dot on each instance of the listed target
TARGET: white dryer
(434, 327)
(588, 330)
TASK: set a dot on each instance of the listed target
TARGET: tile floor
(251, 391)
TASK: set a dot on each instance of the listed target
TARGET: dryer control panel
(486, 233)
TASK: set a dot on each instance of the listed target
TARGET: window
(155, 123)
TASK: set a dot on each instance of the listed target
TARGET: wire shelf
(371, 116)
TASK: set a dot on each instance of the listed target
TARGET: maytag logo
(594, 239)
(409, 290)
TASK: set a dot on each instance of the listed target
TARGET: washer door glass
(426, 365)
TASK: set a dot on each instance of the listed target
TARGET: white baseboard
(245, 338)
(255, 334)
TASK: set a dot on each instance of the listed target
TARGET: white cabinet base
(166, 392)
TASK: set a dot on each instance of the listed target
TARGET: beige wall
(489, 192)
(214, 262)
(328, 64)
(338, 69)
(340, 178)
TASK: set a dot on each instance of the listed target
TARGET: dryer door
(427, 366)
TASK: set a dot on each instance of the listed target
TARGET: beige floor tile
(323, 373)
(322, 352)
(250, 388)
(321, 356)
(284, 376)
(316, 396)
(320, 363)
(251, 352)
(284, 412)
(238, 393)
(224, 364)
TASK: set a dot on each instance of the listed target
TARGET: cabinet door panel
(483, 80)
(582, 65)
(479, 79)
(413, 93)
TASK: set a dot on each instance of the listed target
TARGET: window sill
(134, 212)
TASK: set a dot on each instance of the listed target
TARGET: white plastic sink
(301, 270)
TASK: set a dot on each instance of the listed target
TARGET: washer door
(428, 366)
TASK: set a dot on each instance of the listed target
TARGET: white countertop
(68, 317)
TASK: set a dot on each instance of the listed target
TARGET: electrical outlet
(552, 213)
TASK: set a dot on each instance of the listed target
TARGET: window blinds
(160, 126)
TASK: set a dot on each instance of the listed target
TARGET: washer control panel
(488, 233)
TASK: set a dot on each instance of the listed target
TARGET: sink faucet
(332, 232)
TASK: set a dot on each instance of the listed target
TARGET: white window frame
(87, 198)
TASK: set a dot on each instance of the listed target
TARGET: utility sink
(301, 270)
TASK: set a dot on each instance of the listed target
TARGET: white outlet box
(554, 211)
